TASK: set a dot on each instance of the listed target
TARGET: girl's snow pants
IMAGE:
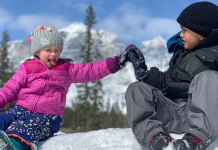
(28, 127)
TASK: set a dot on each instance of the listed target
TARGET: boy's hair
(45, 36)
(200, 17)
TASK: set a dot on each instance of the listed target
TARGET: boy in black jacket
(183, 99)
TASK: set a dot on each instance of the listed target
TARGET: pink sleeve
(82, 72)
(9, 92)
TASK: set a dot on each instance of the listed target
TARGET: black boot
(189, 142)
(159, 141)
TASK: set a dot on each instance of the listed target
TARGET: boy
(184, 98)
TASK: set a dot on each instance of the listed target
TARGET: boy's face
(190, 38)
(49, 55)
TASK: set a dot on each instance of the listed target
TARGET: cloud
(30, 22)
(132, 23)
(5, 17)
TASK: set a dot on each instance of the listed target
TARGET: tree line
(87, 115)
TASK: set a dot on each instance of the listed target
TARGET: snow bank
(108, 139)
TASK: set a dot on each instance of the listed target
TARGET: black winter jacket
(183, 66)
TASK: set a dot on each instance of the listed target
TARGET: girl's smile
(49, 55)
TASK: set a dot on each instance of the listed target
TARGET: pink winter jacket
(43, 91)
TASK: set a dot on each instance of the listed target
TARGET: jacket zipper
(39, 96)
(49, 75)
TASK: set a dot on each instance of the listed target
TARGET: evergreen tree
(6, 69)
(87, 115)
(96, 89)
(84, 90)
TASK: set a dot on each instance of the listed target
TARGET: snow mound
(105, 139)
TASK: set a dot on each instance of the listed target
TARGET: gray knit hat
(45, 36)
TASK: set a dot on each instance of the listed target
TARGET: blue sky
(132, 20)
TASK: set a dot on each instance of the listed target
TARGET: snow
(105, 139)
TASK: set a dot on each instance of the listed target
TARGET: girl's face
(190, 38)
(49, 55)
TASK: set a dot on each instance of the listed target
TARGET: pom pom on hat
(49, 29)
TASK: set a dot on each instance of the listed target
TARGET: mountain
(115, 85)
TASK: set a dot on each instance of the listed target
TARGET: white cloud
(132, 23)
(30, 22)
(5, 17)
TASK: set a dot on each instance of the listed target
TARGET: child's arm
(153, 77)
(81, 72)
(9, 92)
(85, 72)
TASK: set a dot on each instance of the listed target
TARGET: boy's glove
(123, 59)
(140, 68)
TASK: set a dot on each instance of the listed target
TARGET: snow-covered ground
(105, 139)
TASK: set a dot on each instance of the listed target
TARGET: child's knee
(208, 75)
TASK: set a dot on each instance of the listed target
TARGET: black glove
(138, 61)
(123, 59)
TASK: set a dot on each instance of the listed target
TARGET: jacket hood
(175, 42)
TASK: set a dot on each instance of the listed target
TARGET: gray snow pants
(150, 112)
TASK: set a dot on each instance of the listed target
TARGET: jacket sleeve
(85, 72)
(9, 92)
(157, 78)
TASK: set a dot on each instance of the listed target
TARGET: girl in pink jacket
(40, 87)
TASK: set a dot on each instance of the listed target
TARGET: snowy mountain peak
(156, 42)
(74, 27)
(156, 53)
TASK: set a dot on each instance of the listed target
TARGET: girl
(40, 87)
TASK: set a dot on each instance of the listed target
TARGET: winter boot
(189, 142)
(5, 142)
(159, 141)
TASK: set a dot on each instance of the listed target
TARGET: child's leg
(203, 106)
(150, 112)
(32, 128)
(9, 116)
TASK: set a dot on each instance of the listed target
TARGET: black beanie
(200, 17)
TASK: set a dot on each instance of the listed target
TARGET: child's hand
(123, 56)
(136, 57)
